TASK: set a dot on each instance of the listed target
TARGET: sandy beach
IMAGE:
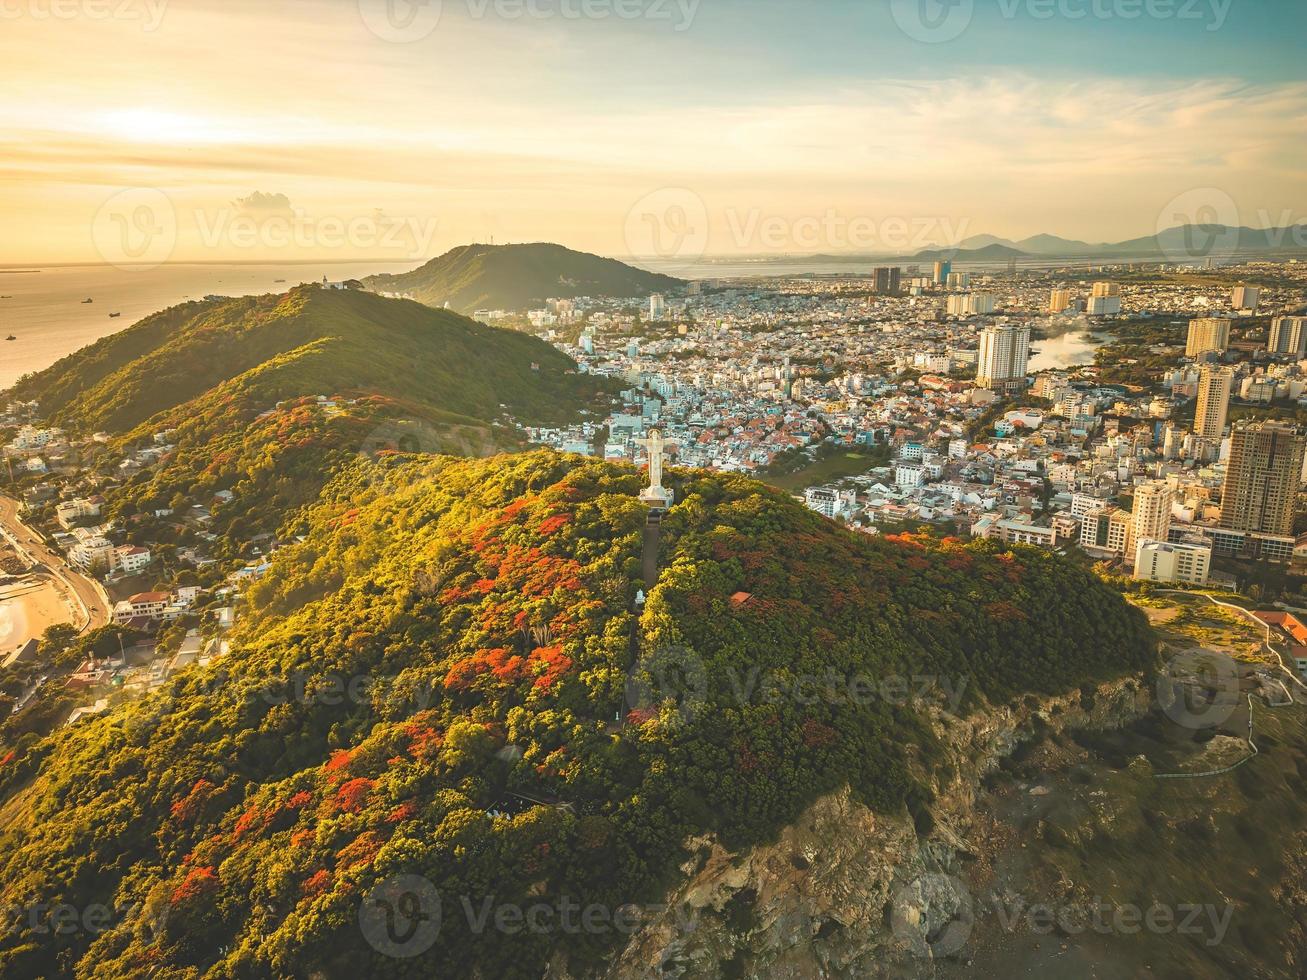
(27, 609)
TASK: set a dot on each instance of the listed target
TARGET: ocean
(42, 305)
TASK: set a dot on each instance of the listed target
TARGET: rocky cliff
(998, 880)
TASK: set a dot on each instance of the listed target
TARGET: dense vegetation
(244, 812)
(514, 277)
(1141, 352)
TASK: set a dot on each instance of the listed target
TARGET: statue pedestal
(657, 498)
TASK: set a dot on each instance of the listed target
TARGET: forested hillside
(308, 341)
(448, 679)
(238, 385)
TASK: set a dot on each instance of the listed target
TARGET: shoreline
(28, 608)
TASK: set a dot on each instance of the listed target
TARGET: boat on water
(85, 301)
(11, 337)
(114, 316)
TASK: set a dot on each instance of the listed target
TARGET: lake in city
(1071, 349)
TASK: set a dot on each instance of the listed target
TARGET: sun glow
(143, 124)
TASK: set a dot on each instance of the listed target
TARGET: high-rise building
(1245, 297)
(1214, 386)
(1172, 441)
(1151, 516)
(942, 268)
(1262, 477)
(959, 280)
(1106, 528)
(657, 306)
(1004, 358)
(1207, 335)
(1288, 336)
(1103, 306)
(1059, 300)
(969, 304)
(887, 280)
(1106, 289)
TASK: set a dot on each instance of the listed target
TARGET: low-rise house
(146, 606)
(92, 551)
(70, 512)
(130, 559)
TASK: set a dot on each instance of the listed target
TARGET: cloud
(1082, 151)
(262, 204)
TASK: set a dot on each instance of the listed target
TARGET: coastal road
(92, 609)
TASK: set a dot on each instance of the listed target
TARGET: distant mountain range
(1182, 243)
(1195, 241)
(515, 277)
(1041, 244)
(519, 277)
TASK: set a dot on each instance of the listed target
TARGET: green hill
(446, 680)
(265, 396)
(515, 277)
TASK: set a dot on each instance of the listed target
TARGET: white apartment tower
(1152, 511)
(1214, 386)
(1004, 358)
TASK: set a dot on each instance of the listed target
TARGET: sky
(144, 131)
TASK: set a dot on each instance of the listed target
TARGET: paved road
(93, 603)
(653, 532)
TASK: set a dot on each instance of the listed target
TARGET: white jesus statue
(656, 495)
